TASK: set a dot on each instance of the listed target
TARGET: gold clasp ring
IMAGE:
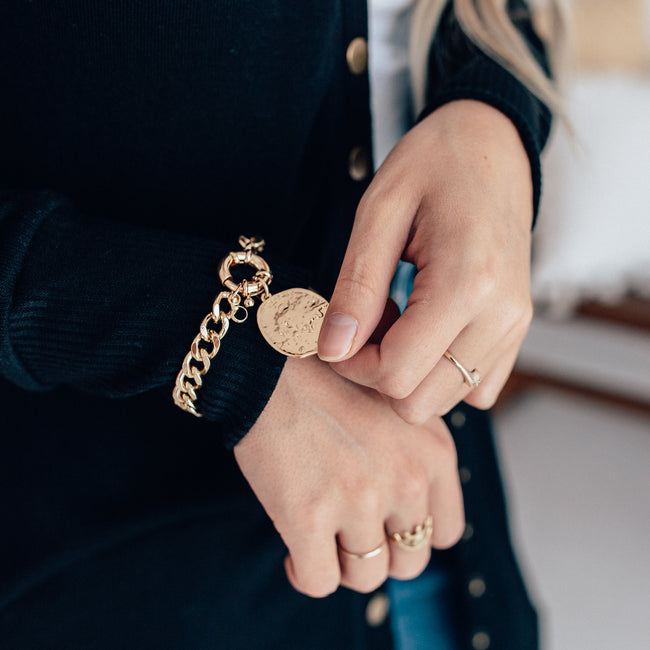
(252, 288)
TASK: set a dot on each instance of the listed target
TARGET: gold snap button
(359, 164)
(468, 533)
(465, 474)
(377, 610)
(476, 587)
(357, 55)
(481, 641)
(458, 419)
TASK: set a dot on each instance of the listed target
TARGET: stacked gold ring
(407, 540)
(363, 556)
(413, 540)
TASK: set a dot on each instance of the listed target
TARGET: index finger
(377, 241)
(434, 317)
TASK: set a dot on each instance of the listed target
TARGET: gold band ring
(363, 556)
(413, 540)
(473, 378)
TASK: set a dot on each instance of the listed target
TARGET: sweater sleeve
(458, 69)
(111, 309)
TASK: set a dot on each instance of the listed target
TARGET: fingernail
(336, 336)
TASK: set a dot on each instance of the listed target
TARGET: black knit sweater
(138, 140)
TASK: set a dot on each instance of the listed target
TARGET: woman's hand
(454, 198)
(331, 462)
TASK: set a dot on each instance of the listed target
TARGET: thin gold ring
(471, 378)
(363, 556)
(413, 540)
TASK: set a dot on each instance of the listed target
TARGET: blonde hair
(488, 24)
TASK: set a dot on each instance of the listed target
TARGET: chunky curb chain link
(230, 305)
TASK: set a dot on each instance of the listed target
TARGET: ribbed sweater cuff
(245, 372)
(15, 239)
(111, 309)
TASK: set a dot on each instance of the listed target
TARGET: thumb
(361, 290)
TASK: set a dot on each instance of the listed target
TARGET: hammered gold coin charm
(290, 321)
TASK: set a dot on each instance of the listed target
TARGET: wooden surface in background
(520, 382)
(631, 311)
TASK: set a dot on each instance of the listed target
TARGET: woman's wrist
(494, 141)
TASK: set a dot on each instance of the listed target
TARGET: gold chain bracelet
(290, 320)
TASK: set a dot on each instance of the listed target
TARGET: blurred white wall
(593, 234)
(576, 470)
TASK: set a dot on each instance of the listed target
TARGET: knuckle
(371, 202)
(380, 201)
(518, 312)
(446, 451)
(313, 576)
(308, 516)
(413, 483)
(448, 404)
(413, 569)
(365, 584)
(356, 279)
(482, 282)
(318, 588)
(484, 398)
(527, 311)
(449, 535)
(367, 499)
(398, 385)
(415, 412)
